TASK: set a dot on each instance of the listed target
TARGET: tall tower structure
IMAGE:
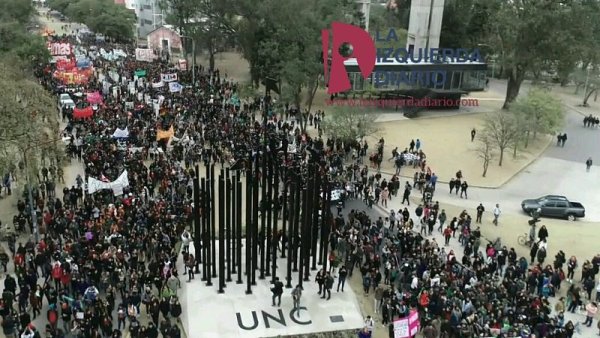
(365, 8)
(425, 24)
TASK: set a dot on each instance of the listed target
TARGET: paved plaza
(235, 314)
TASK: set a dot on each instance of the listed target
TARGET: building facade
(150, 17)
(164, 40)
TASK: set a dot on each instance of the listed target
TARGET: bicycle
(524, 240)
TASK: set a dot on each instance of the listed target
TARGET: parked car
(554, 206)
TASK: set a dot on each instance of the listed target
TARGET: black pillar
(205, 238)
(305, 242)
(233, 226)
(209, 229)
(294, 238)
(284, 215)
(249, 234)
(197, 226)
(263, 212)
(316, 198)
(269, 214)
(302, 233)
(275, 237)
(254, 224)
(327, 223)
(212, 220)
(291, 235)
(238, 226)
(221, 232)
(228, 212)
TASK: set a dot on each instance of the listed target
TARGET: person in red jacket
(57, 273)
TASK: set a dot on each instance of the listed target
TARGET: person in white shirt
(414, 283)
(369, 324)
(497, 212)
(185, 240)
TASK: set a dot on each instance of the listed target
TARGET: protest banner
(168, 77)
(144, 54)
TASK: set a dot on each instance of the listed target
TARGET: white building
(150, 16)
(425, 24)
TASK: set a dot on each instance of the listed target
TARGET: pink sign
(413, 322)
(407, 327)
(94, 98)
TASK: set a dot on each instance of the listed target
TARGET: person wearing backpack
(328, 285)
(277, 291)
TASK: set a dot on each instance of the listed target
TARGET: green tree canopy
(28, 121)
(541, 111)
(538, 35)
(349, 125)
(101, 16)
(15, 40)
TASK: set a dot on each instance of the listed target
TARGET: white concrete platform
(208, 314)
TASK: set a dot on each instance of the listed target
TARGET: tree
(588, 79)
(19, 11)
(29, 125)
(210, 23)
(15, 40)
(101, 16)
(538, 112)
(464, 23)
(485, 150)
(502, 130)
(524, 33)
(401, 9)
(349, 125)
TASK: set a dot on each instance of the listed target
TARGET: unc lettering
(279, 318)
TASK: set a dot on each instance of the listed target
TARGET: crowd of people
(103, 255)
(485, 289)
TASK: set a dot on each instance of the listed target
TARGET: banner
(121, 133)
(407, 327)
(116, 185)
(144, 54)
(84, 63)
(168, 77)
(140, 73)
(75, 76)
(94, 98)
(165, 134)
(83, 113)
(182, 64)
(175, 87)
(158, 84)
(65, 64)
(57, 48)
